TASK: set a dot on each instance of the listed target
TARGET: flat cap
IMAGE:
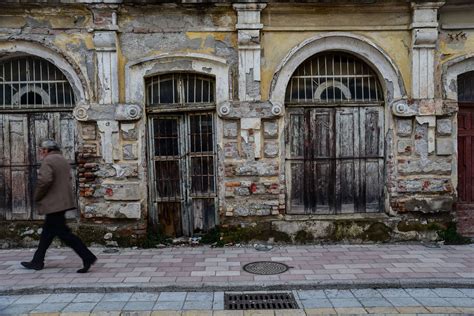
(50, 144)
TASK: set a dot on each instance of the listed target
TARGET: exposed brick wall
(87, 165)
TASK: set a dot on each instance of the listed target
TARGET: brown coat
(53, 191)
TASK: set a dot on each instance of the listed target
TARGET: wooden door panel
(67, 135)
(3, 171)
(201, 170)
(16, 168)
(295, 136)
(347, 185)
(347, 163)
(371, 132)
(169, 215)
(18, 157)
(296, 182)
(371, 162)
(462, 146)
(470, 168)
(465, 203)
(203, 214)
(323, 192)
(167, 194)
(465, 154)
(338, 168)
(295, 139)
(373, 186)
(320, 134)
(184, 171)
(347, 133)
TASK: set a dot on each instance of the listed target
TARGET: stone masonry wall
(421, 170)
(424, 181)
(252, 185)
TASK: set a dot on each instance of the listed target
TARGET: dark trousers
(55, 225)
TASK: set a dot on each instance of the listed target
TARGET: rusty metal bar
(3, 86)
(333, 82)
(326, 74)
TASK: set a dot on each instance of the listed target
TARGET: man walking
(54, 196)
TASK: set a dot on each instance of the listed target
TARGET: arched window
(179, 89)
(28, 82)
(333, 78)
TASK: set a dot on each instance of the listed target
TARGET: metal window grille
(29, 82)
(466, 87)
(333, 78)
(179, 89)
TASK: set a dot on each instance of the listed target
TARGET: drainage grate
(244, 301)
(266, 267)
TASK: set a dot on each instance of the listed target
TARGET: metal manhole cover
(246, 301)
(266, 267)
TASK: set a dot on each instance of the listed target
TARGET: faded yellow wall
(278, 44)
(285, 26)
(385, 25)
(151, 30)
(457, 34)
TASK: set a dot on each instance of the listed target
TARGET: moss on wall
(257, 232)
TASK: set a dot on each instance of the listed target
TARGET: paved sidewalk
(211, 269)
(359, 301)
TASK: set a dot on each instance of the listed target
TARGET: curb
(239, 286)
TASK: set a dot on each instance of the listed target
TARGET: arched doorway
(465, 203)
(334, 137)
(36, 102)
(182, 152)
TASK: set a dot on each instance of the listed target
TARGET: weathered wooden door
(335, 159)
(465, 203)
(36, 103)
(182, 152)
(183, 163)
(334, 137)
(466, 155)
(20, 137)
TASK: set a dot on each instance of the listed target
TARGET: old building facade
(313, 120)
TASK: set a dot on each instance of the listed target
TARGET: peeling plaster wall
(62, 29)
(112, 162)
(288, 26)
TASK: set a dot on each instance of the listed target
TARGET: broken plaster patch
(113, 210)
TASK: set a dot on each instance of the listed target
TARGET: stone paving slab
(414, 301)
(192, 268)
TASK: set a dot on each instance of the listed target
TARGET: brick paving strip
(217, 269)
(310, 302)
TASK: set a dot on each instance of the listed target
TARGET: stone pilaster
(424, 40)
(248, 27)
(424, 125)
(105, 43)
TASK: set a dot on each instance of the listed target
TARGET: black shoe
(32, 265)
(87, 265)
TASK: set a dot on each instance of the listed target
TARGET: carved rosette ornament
(402, 109)
(277, 109)
(80, 113)
(223, 109)
(128, 112)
